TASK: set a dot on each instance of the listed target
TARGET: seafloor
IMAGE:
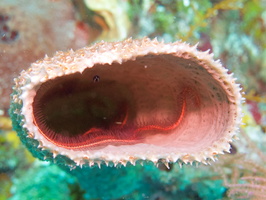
(234, 30)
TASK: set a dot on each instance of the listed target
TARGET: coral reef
(30, 29)
(233, 30)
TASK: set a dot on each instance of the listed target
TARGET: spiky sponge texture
(129, 101)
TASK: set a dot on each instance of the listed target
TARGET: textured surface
(30, 29)
(183, 106)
